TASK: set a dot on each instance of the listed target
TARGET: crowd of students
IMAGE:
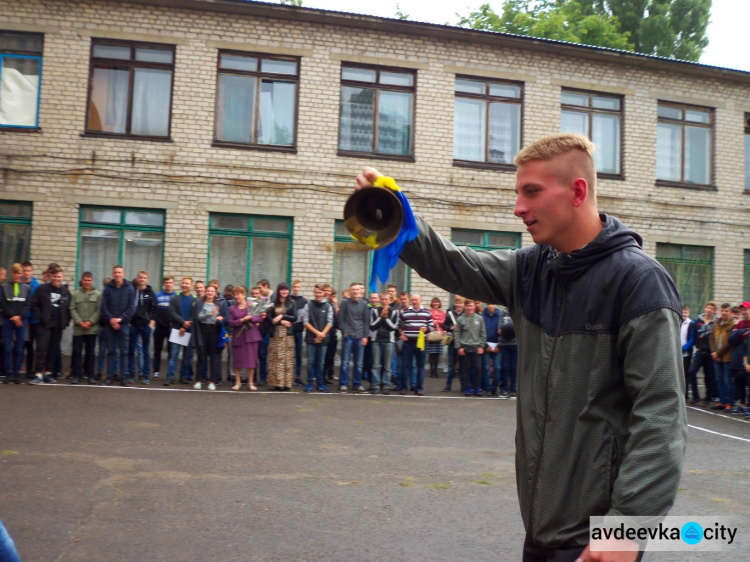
(261, 334)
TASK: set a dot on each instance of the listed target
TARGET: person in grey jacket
(601, 422)
(469, 339)
(354, 323)
(85, 310)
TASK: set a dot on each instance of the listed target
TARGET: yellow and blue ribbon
(386, 258)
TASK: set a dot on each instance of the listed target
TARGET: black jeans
(691, 382)
(85, 367)
(30, 345)
(47, 347)
(533, 552)
(703, 359)
(209, 353)
(471, 378)
(161, 334)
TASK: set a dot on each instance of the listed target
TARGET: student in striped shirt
(414, 319)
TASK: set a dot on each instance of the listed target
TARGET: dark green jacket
(85, 307)
(601, 423)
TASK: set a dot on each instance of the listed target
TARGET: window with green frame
(352, 263)
(746, 276)
(109, 236)
(15, 232)
(691, 268)
(485, 240)
(243, 249)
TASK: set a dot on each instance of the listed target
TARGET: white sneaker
(211, 386)
(156, 375)
(197, 386)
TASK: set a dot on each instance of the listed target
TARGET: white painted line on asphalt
(719, 414)
(717, 433)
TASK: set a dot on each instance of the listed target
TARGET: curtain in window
(469, 120)
(15, 243)
(151, 100)
(99, 252)
(697, 155)
(143, 250)
(350, 265)
(268, 260)
(276, 113)
(505, 132)
(357, 115)
(394, 123)
(606, 137)
(228, 260)
(19, 91)
(108, 103)
(669, 152)
(235, 113)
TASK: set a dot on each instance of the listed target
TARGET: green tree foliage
(399, 14)
(668, 28)
(296, 3)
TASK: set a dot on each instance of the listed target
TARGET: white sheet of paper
(175, 337)
(491, 345)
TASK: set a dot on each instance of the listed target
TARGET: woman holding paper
(245, 338)
(208, 315)
(281, 347)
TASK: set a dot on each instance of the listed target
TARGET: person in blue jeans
(722, 354)
(317, 318)
(451, 317)
(299, 302)
(414, 320)
(492, 354)
(354, 323)
(118, 306)
(15, 303)
(141, 325)
(181, 310)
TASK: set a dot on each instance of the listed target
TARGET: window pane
(502, 240)
(505, 132)
(112, 216)
(269, 259)
(108, 102)
(600, 102)
(341, 230)
(469, 130)
(467, 237)
(505, 90)
(278, 66)
(574, 122)
(228, 259)
(747, 162)
(237, 62)
(697, 116)
(276, 113)
(154, 55)
(19, 91)
(357, 112)
(606, 137)
(697, 155)
(394, 123)
(144, 218)
(143, 250)
(396, 78)
(99, 252)
(15, 210)
(14, 42)
(349, 265)
(358, 74)
(118, 52)
(669, 112)
(271, 225)
(470, 86)
(669, 152)
(670, 251)
(398, 276)
(15, 244)
(229, 223)
(703, 253)
(569, 98)
(152, 92)
(235, 108)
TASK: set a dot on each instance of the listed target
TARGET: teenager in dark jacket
(208, 317)
(687, 340)
(15, 302)
(118, 307)
(704, 326)
(162, 321)
(317, 318)
(181, 310)
(51, 307)
(141, 326)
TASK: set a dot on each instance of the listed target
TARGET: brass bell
(373, 216)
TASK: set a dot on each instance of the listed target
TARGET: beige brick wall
(196, 178)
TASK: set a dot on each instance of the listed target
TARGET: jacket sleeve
(174, 310)
(690, 338)
(127, 315)
(483, 333)
(482, 275)
(457, 335)
(375, 320)
(152, 307)
(97, 310)
(235, 317)
(649, 475)
(106, 314)
(36, 305)
(291, 312)
(74, 310)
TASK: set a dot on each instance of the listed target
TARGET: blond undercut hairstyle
(581, 151)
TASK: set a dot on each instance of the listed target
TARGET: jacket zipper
(546, 408)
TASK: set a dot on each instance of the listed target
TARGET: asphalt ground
(171, 474)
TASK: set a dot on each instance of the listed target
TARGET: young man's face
(393, 293)
(470, 308)
(16, 277)
(254, 293)
(56, 279)
(685, 313)
(86, 283)
(142, 280)
(319, 294)
(169, 285)
(736, 315)
(404, 300)
(744, 313)
(27, 274)
(544, 205)
(726, 314)
(459, 305)
(354, 292)
(374, 299)
(327, 293)
(710, 312)
(296, 289)
(118, 274)
(200, 290)
(185, 286)
(385, 299)
(491, 308)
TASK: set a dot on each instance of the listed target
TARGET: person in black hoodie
(50, 305)
(702, 356)
(141, 326)
(118, 306)
(15, 300)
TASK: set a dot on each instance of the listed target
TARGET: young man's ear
(580, 189)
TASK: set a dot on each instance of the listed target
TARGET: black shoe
(168, 382)
(92, 381)
(16, 380)
(298, 382)
(75, 381)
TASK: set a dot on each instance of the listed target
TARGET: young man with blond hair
(15, 303)
(600, 389)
